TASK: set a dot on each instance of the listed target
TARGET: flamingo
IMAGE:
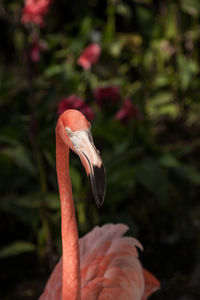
(103, 264)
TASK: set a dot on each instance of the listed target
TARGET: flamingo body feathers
(110, 268)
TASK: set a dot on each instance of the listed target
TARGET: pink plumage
(110, 268)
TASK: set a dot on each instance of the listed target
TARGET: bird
(104, 264)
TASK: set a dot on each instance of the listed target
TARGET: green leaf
(18, 153)
(52, 201)
(107, 130)
(20, 157)
(75, 178)
(53, 70)
(86, 26)
(16, 248)
(42, 235)
(171, 28)
(162, 104)
(162, 80)
(152, 177)
(189, 173)
(162, 98)
(187, 69)
(26, 208)
(191, 7)
(124, 10)
(168, 160)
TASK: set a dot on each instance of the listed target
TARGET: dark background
(150, 49)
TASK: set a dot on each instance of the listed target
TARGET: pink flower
(34, 11)
(107, 93)
(127, 111)
(89, 56)
(73, 102)
(88, 112)
(35, 50)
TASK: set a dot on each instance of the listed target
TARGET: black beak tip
(99, 199)
(98, 182)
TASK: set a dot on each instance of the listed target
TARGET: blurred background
(132, 67)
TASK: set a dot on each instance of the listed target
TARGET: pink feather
(109, 265)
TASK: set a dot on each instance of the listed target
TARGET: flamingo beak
(83, 145)
(98, 183)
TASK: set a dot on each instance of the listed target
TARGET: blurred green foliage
(150, 49)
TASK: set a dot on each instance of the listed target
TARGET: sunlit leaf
(188, 68)
(16, 248)
(124, 10)
(162, 80)
(162, 104)
(168, 160)
(192, 7)
(53, 70)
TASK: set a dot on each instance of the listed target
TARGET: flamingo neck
(70, 242)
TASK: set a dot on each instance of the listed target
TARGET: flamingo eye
(68, 131)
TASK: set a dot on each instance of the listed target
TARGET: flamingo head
(75, 132)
